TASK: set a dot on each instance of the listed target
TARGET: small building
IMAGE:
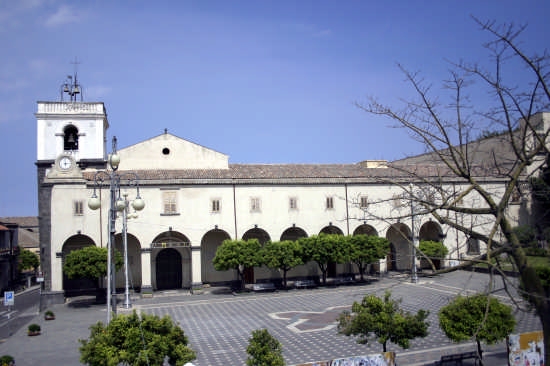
(9, 251)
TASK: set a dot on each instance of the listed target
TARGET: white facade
(195, 199)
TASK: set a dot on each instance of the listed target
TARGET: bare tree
(470, 180)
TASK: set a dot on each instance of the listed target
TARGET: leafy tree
(383, 319)
(446, 132)
(544, 274)
(89, 262)
(325, 249)
(28, 260)
(238, 255)
(366, 249)
(264, 350)
(433, 249)
(528, 237)
(478, 317)
(136, 340)
(283, 255)
(432, 252)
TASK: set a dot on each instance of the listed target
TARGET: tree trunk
(479, 352)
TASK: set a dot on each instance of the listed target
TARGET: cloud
(64, 15)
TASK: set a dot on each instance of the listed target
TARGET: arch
(293, 233)
(263, 237)
(365, 229)
(257, 233)
(209, 245)
(77, 286)
(169, 269)
(401, 252)
(331, 229)
(174, 272)
(430, 231)
(134, 261)
(70, 138)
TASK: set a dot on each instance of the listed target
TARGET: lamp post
(414, 278)
(116, 204)
(125, 216)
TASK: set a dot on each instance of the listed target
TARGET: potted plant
(49, 315)
(7, 360)
(33, 329)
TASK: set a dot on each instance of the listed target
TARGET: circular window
(166, 151)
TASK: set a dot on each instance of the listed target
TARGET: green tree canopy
(325, 249)
(432, 249)
(28, 260)
(89, 262)
(478, 317)
(283, 255)
(383, 319)
(136, 340)
(264, 350)
(366, 249)
(238, 255)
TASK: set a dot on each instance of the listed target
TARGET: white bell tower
(74, 128)
(71, 136)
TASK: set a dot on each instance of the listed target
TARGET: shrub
(7, 360)
(33, 328)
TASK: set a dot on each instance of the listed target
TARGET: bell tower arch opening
(70, 138)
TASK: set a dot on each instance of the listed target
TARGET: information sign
(9, 299)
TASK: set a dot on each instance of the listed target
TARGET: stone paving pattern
(219, 324)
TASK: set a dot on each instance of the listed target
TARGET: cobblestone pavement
(219, 324)
(304, 320)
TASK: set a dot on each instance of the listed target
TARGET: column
(146, 287)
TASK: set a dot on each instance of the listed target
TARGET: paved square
(304, 320)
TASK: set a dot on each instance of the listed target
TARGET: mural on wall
(378, 359)
(526, 349)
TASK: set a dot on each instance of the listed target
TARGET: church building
(195, 199)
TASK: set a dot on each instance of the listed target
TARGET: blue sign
(9, 299)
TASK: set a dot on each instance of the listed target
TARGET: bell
(71, 138)
(76, 90)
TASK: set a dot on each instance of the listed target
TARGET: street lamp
(414, 278)
(116, 204)
(125, 216)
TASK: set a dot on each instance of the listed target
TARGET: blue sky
(261, 81)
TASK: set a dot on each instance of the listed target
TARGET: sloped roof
(298, 173)
(28, 233)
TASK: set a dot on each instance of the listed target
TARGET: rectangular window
(293, 203)
(255, 204)
(398, 200)
(330, 203)
(215, 205)
(78, 208)
(364, 202)
(170, 203)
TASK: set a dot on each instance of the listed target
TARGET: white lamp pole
(116, 204)
(127, 303)
(414, 278)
